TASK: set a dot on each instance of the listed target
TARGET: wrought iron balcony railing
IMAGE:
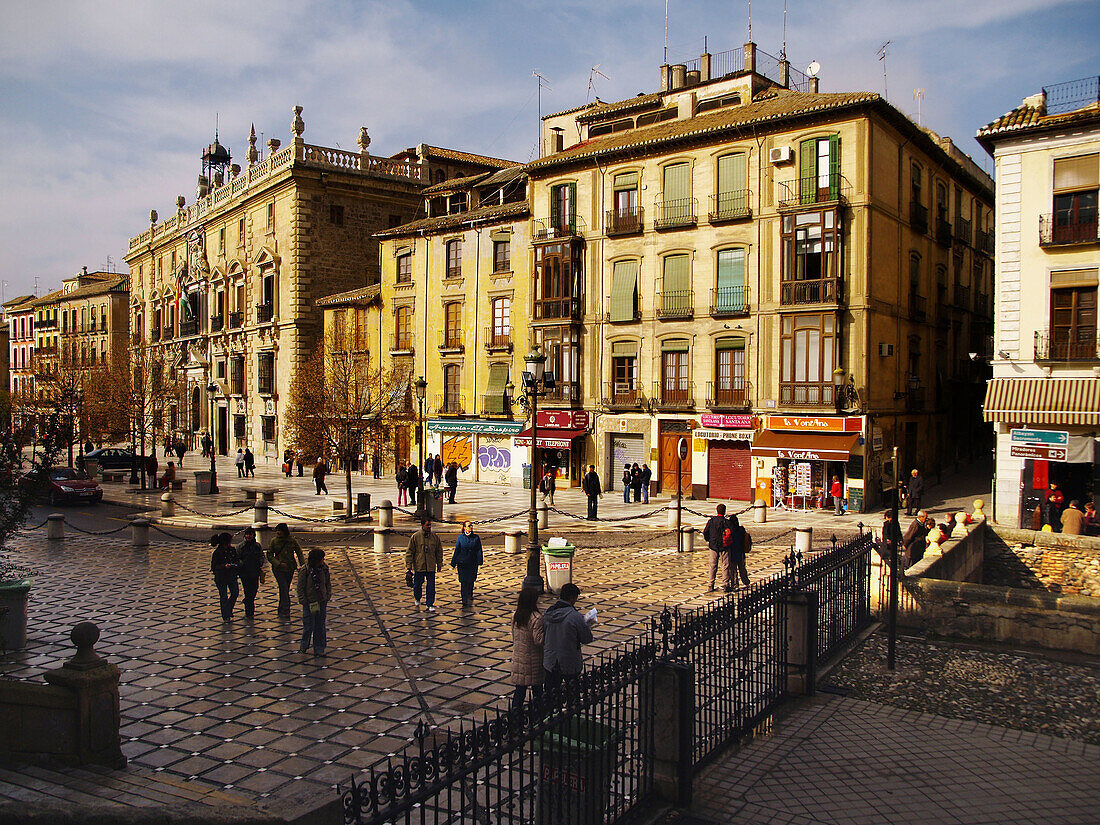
(565, 226)
(154, 334)
(451, 342)
(985, 243)
(217, 323)
(1054, 231)
(814, 189)
(496, 405)
(401, 344)
(676, 304)
(236, 386)
(962, 230)
(1073, 345)
(264, 313)
(168, 332)
(497, 341)
(806, 394)
(672, 214)
(729, 394)
(189, 328)
(730, 206)
(135, 339)
(918, 217)
(623, 395)
(236, 319)
(564, 392)
(962, 296)
(728, 301)
(918, 306)
(820, 291)
(944, 233)
(674, 394)
(47, 323)
(629, 221)
(449, 405)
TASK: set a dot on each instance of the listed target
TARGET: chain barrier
(213, 515)
(744, 509)
(523, 512)
(173, 535)
(95, 533)
(325, 520)
(620, 545)
(39, 526)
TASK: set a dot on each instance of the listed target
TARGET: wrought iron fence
(842, 581)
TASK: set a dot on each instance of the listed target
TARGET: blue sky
(107, 106)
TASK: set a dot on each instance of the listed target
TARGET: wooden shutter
(677, 182)
(807, 170)
(498, 380)
(834, 167)
(624, 287)
(1081, 172)
(731, 173)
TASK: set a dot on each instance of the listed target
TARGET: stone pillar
(167, 505)
(785, 73)
(687, 540)
(544, 515)
(750, 57)
(759, 512)
(55, 526)
(385, 513)
(139, 532)
(704, 67)
(673, 508)
(264, 532)
(381, 539)
(95, 683)
(513, 541)
(801, 642)
(667, 704)
(259, 512)
(803, 539)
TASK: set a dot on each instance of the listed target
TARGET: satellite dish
(813, 69)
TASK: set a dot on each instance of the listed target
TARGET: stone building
(228, 285)
(1044, 397)
(794, 281)
(19, 318)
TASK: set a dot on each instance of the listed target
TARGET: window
(362, 328)
(196, 409)
(394, 220)
(807, 358)
(173, 269)
(625, 217)
(452, 389)
(729, 297)
(675, 386)
(265, 374)
(676, 207)
(452, 325)
(563, 208)
(271, 217)
(221, 369)
(624, 291)
(558, 269)
(236, 375)
(238, 426)
(456, 203)
(240, 232)
(732, 199)
(729, 372)
(1073, 315)
(103, 317)
(221, 240)
(811, 259)
(404, 268)
(497, 390)
(819, 169)
(624, 371)
(502, 256)
(401, 339)
(1075, 198)
(267, 427)
(454, 258)
(336, 214)
(676, 295)
(502, 321)
(340, 328)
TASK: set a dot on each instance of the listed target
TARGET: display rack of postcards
(779, 484)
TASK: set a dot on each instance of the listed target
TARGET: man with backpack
(717, 531)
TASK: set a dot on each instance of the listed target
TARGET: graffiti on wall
(494, 459)
(459, 449)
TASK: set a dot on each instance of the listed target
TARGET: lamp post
(838, 388)
(535, 384)
(213, 390)
(421, 386)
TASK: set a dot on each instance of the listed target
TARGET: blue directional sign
(1055, 438)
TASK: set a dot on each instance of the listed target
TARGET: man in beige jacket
(424, 558)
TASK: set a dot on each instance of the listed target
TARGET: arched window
(502, 322)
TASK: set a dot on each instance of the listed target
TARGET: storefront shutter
(624, 287)
(729, 470)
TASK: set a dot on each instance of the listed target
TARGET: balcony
(453, 272)
(629, 221)
(676, 304)
(918, 306)
(217, 323)
(496, 406)
(451, 342)
(46, 323)
(821, 291)
(449, 405)
(264, 313)
(45, 352)
(622, 395)
(806, 394)
(564, 392)
(154, 334)
(731, 394)
(962, 296)
(674, 395)
(729, 301)
(816, 189)
(236, 319)
(401, 344)
(570, 226)
(918, 218)
(168, 333)
(962, 230)
(558, 309)
(675, 214)
(944, 234)
(189, 328)
(985, 243)
(1055, 232)
(730, 206)
(1076, 346)
(496, 341)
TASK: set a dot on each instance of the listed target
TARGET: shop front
(798, 457)
(726, 441)
(561, 435)
(481, 448)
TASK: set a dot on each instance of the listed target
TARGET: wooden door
(669, 459)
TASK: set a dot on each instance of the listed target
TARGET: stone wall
(1034, 560)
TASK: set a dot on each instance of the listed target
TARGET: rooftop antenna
(35, 286)
(666, 32)
(918, 95)
(750, 21)
(882, 57)
(592, 80)
(110, 263)
(543, 83)
(783, 51)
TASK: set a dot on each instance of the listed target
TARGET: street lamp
(838, 388)
(421, 386)
(213, 390)
(536, 383)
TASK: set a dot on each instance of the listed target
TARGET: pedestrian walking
(428, 470)
(424, 558)
(547, 486)
(527, 649)
(836, 490)
(891, 536)
(207, 445)
(738, 553)
(253, 569)
(717, 532)
(88, 446)
(314, 592)
(413, 482)
(225, 565)
(376, 466)
(592, 490)
(249, 463)
(1073, 520)
(151, 469)
(402, 478)
(916, 492)
(437, 469)
(285, 555)
(565, 632)
(181, 448)
(452, 481)
(626, 483)
(239, 462)
(636, 482)
(466, 560)
(301, 464)
(647, 477)
(320, 470)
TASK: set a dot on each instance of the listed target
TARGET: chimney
(679, 76)
(813, 85)
(685, 106)
(750, 57)
(666, 77)
(785, 73)
(704, 67)
(557, 140)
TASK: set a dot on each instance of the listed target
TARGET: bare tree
(145, 386)
(340, 402)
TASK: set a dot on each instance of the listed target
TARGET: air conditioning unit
(885, 349)
(781, 154)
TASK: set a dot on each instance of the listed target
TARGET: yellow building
(454, 303)
(1045, 394)
(792, 280)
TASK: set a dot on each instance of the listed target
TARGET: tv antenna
(543, 83)
(783, 51)
(918, 95)
(750, 22)
(882, 57)
(813, 69)
(592, 81)
(666, 32)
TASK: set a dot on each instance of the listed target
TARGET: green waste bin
(526, 476)
(558, 562)
(577, 760)
(13, 613)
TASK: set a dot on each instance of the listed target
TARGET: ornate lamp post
(421, 386)
(212, 389)
(535, 384)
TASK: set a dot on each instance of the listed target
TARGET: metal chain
(213, 515)
(522, 512)
(620, 545)
(325, 520)
(37, 526)
(173, 535)
(93, 532)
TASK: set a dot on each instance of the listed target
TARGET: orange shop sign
(816, 423)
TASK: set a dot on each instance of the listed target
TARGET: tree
(340, 402)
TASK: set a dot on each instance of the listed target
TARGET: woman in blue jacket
(466, 560)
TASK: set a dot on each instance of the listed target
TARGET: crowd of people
(411, 479)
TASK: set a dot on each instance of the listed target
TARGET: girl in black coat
(225, 564)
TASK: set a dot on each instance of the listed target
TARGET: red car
(68, 485)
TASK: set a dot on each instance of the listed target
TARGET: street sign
(1056, 438)
(1043, 452)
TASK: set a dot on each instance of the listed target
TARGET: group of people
(246, 463)
(636, 479)
(424, 558)
(914, 541)
(247, 564)
(290, 458)
(1071, 519)
(410, 479)
(729, 544)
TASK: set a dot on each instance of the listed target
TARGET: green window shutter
(729, 343)
(731, 280)
(677, 182)
(627, 180)
(674, 345)
(732, 184)
(624, 349)
(807, 171)
(498, 380)
(676, 298)
(834, 167)
(624, 289)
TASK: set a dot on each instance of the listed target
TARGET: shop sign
(722, 421)
(1043, 452)
(480, 427)
(546, 442)
(563, 419)
(876, 438)
(817, 423)
(725, 435)
(1054, 438)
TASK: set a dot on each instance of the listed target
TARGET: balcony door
(1073, 322)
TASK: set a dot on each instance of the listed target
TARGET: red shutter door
(728, 470)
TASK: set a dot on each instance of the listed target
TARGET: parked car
(66, 484)
(111, 458)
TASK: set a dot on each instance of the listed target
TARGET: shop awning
(549, 439)
(805, 446)
(1043, 401)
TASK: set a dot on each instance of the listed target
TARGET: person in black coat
(636, 482)
(592, 489)
(252, 569)
(437, 469)
(452, 481)
(916, 492)
(412, 481)
(225, 564)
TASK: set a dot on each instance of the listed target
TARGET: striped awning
(1043, 401)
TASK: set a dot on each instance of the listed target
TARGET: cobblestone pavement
(845, 760)
(235, 708)
(1022, 691)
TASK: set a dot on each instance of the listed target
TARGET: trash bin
(202, 482)
(362, 503)
(577, 760)
(13, 616)
(91, 466)
(433, 497)
(558, 561)
(526, 476)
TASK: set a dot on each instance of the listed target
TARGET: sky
(106, 107)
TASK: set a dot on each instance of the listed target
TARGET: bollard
(544, 515)
(687, 540)
(385, 513)
(55, 526)
(139, 529)
(673, 508)
(259, 512)
(979, 509)
(264, 532)
(513, 541)
(167, 505)
(759, 512)
(381, 539)
(803, 539)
